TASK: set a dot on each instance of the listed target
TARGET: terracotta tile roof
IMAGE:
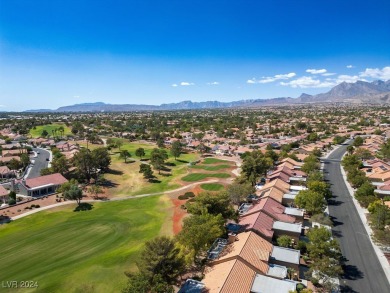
(259, 222)
(251, 248)
(56, 179)
(272, 208)
(3, 191)
(7, 159)
(292, 161)
(278, 183)
(4, 170)
(230, 276)
(275, 193)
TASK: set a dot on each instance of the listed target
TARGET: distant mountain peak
(361, 91)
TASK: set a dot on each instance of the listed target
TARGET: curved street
(40, 162)
(363, 271)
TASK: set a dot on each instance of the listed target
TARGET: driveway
(363, 272)
(40, 163)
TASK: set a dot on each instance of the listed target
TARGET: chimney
(232, 238)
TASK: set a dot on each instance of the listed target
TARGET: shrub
(182, 197)
(11, 201)
(189, 194)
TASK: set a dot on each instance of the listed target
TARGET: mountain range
(376, 92)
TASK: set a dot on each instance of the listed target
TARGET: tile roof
(272, 208)
(250, 247)
(259, 222)
(55, 179)
(3, 191)
(230, 276)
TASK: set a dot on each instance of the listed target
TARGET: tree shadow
(84, 206)
(337, 234)
(130, 162)
(335, 222)
(347, 289)
(171, 164)
(154, 180)
(166, 174)
(335, 202)
(165, 169)
(182, 161)
(352, 273)
(144, 159)
(114, 172)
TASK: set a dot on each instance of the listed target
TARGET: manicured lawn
(128, 180)
(49, 128)
(213, 161)
(212, 168)
(212, 186)
(66, 251)
(200, 176)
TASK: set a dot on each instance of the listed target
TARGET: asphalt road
(40, 163)
(363, 272)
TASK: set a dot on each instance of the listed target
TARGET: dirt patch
(178, 215)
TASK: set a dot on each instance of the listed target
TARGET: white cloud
(213, 83)
(347, 78)
(185, 83)
(316, 71)
(328, 74)
(350, 66)
(276, 77)
(377, 73)
(307, 82)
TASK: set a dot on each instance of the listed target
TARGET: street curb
(361, 211)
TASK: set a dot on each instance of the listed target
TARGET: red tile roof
(3, 191)
(259, 222)
(272, 208)
(55, 179)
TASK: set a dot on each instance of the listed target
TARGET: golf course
(87, 251)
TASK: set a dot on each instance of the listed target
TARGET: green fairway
(213, 161)
(49, 128)
(66, 251)
(212, 168)
(200, 176)
(212, 186)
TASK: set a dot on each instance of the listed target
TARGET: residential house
(41, 186)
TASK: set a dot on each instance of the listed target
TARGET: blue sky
(55, 53)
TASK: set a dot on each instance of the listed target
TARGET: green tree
(284, 241)
(363, 154)
(60, 165)
(350, 149)
(214, 204)
(140, 152)
(254, 165)
(313, 202)
(176, 149)
(44, 133)
(74, 193)
(46, 171)
(238, 192)
(160, 257)
(101, 159)
(25, 160)
(124, 154)
(157, 159)
(358, 141)
(193, 234)
(321, 187)
(310, 164)
(146, 170)
(14, 164)
(83, 161)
